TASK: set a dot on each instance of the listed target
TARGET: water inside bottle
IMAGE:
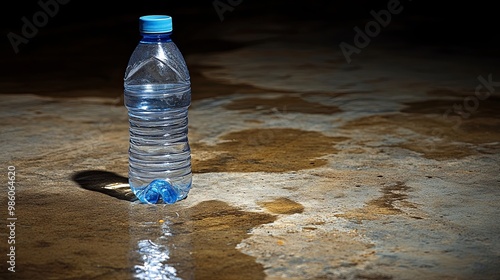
(159, 153)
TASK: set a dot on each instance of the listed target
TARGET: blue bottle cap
(155, 24)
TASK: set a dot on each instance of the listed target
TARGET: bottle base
(158, 192)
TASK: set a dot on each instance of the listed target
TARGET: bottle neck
(152, 38)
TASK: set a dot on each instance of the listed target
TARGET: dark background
(87, 44)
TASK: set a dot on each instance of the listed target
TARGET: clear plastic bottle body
(157, 93)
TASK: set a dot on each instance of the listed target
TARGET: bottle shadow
(105, 182)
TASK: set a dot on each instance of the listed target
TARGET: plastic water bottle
(157, 93)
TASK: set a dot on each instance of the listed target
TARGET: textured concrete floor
(305, 166)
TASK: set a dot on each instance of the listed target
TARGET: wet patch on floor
(217, 229)
(264, 150)
(282, 205)
(467, 107)
(59, 235)
(446, 92)
(286, 104)
(335, 94)
(393, 199)
(203, 87)
(201, 240)
(433, 137)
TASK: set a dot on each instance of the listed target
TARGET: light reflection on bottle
(155, 256)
